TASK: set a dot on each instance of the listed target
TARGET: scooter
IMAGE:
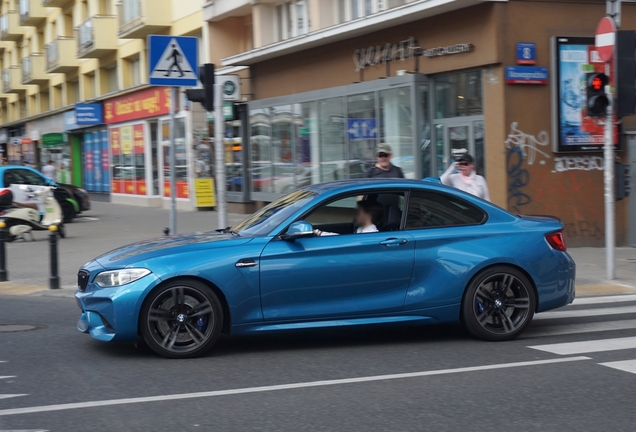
(23, 219)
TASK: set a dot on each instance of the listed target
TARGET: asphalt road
(337, 380)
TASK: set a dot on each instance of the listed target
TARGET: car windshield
(265, 220)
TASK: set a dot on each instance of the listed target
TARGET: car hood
(161, 246)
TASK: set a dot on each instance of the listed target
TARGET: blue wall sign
(526, 53)
(70, 122)
(362, 128)
(526, 75)
(173, 60)
(89, 114)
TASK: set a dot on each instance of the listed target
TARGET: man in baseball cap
(383, 167)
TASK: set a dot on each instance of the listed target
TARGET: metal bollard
(54, 280)
(4, 274)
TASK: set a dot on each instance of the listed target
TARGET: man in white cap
(384, 168)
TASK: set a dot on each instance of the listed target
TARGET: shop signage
(152, 102)
(400, 51)
(53, 140)
(573, 130)
(228, 112)
(89, 114)
(526, 53)
(204, 192)
(70, 121)
(526, 75)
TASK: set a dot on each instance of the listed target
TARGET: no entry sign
(605, 38)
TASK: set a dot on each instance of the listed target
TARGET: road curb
(17, 289)
(604, 289)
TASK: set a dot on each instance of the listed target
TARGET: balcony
(60, 55)
(10, 29)
(140, 18)
(97, 36)
(57, 3)
(33, 71)
(32, 13)
(12, 80)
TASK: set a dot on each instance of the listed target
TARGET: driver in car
(368, 218)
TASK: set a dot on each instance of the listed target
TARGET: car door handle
(246, 263)
(394, 241)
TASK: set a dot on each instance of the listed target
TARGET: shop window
(426, 148)
(128, 155)
(332, 140)
(362, 128)
(396, 123)
(260, 138)
(458, 95)
(181, 158)
(292, 19)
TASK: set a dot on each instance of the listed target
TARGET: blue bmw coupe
(439, 255)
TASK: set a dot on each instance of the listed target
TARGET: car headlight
(116, 278)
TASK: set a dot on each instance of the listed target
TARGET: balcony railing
(32, 13)
(60, 55)
(6, 81)
(10, 29)
(85, 36)
(27, 69)
(139, 18)
(56, 3)
(97, 36)
(129, 15)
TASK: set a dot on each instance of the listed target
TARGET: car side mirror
(298, 230)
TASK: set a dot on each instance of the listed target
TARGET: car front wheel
(499, 304)
(182, 319)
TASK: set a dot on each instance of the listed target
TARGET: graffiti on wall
(578, 163)
(531, 146)
(523, 149)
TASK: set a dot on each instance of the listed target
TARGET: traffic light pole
(219, 153)
(174, 94)
(608, 150)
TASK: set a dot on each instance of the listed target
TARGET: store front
(434, 89)
(139, 142)
(53, 144)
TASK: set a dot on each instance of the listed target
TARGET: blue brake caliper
(479, 307)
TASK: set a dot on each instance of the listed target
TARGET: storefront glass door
(457, 136)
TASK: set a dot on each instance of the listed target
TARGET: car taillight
(556, 240)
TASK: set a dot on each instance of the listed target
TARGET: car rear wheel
(68, 212)
(499, 304)
(182, 319)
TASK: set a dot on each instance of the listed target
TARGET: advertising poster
(574, 130)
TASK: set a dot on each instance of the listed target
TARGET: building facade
(68, 68)
(331, 79)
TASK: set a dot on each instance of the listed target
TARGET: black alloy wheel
(498, 304)
(182, 319)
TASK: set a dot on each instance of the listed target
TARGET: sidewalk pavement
(108, 226)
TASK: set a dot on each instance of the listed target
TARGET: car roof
(379, 183)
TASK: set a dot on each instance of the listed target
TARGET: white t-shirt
(49, 171)
(368, 229)
(473, 184)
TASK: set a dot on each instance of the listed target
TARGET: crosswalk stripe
(604, 299)
(591, 346)
(567, 329)
(625, 365)
(7, 396)
(7, 377)
(576, 313)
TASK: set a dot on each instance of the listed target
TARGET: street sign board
(362, 128)
(173, 60)
(526, 53)
(231, 86)
(605, 38)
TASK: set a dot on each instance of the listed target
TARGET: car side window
(428, 209)
(9, 178)
(31, 178)
(341, 211)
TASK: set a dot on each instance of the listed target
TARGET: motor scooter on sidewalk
(22, 219)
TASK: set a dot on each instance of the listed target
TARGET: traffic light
(622, 179)
(597, 100)
(625, 70)
(204, 96)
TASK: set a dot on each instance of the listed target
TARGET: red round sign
(605, 38)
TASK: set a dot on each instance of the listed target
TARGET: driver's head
(369, 212)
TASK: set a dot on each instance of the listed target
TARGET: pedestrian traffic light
(622, 180)
(597, 100)
(204, 96)
(625, 70)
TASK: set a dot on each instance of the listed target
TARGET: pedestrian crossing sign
(173, 60)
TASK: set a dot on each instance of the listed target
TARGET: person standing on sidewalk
(49, 170)
(466, 179)
(383, 167)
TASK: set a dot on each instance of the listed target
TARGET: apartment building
(330, 79)
(74, 90)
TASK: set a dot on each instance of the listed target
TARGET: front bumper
(112, 314)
